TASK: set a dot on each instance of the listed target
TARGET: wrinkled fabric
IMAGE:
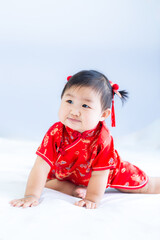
(73, 156)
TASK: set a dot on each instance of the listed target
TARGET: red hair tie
(68, 78)
(115, 88)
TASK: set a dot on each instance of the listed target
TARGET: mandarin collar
(89, 133)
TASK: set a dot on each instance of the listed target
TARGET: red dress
(73, 156)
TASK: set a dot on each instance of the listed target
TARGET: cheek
(63, 111)
(89, 119)
(92, 118)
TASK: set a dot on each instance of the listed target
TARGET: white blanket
(119, 215)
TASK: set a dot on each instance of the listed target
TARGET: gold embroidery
(111, 161)
(54, 131)
(86, 141)
(77, 152)
(45, 141)
(45, 151)
(136, 178)
(123, 170)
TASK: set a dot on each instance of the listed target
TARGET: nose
(75, 111)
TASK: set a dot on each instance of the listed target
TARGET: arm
(95, 190)
(35, 184)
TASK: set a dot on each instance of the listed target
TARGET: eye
(69, 101)
(85, 106)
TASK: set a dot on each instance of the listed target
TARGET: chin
(74, 128)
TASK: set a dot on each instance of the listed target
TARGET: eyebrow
(83, 99)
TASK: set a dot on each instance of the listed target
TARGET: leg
(152, 187)
(66, 187)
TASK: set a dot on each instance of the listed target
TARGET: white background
(42, 42)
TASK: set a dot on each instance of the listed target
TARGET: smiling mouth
(74, 120)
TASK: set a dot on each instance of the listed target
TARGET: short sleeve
(106, 158)
(47, 149)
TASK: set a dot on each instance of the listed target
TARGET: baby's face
(80, 109)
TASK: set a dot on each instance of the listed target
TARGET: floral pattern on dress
(73, 156)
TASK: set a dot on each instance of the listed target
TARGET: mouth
(74, 120)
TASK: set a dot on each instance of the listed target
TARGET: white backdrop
(42, 42)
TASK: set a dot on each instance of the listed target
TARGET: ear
(105, 114)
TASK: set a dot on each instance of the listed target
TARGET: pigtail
(124, 96)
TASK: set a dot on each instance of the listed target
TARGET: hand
(28, 201)
(86, 203)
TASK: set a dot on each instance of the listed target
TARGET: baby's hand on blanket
(27, 201)
(86, 203)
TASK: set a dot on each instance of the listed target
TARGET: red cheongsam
(73, 156)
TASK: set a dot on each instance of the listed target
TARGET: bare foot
(80, 192)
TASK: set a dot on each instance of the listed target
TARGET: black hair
(98, 82)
